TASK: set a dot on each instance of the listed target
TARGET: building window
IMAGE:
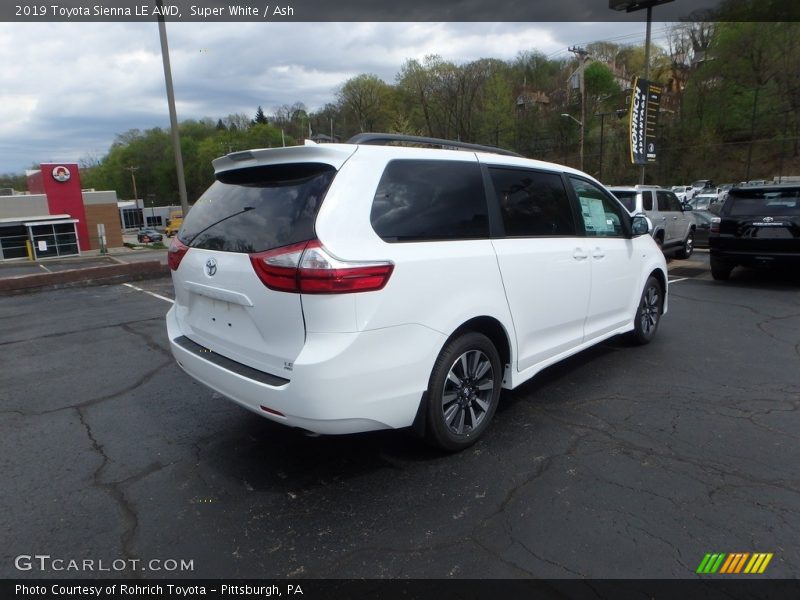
(53, 240)
(12, 242)
(131, 218)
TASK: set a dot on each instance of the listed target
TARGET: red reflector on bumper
(272, 412)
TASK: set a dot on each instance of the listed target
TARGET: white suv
(351, 287)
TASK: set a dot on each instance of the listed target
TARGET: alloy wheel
(651, 306)
(467, 392)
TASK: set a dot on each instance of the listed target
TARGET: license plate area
(773, 233)
(223, 320)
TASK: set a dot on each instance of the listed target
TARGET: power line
(633, 37)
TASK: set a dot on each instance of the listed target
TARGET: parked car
(702, 219)
(757, 226)
(704, 201)
(349, 287)
(148, 235)
(673, 224)
(702, 184)
(722, 192)
(174, 223)
(683, 192)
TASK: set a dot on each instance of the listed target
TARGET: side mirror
(640, 225)
(687, 207)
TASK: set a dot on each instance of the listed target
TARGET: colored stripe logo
(734, 563)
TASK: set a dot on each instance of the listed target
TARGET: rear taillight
(715, 221)
(307, 268)
(177, 251)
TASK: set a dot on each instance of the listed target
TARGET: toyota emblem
(211, 267)
(768, 219)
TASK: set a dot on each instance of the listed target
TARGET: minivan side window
(602, 216)
(532, 203)
(428, 200)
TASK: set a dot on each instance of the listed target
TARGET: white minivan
(350, 287)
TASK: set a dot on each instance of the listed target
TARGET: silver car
(673, 223)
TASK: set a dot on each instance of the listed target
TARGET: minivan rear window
(744, 202)
(259, 208)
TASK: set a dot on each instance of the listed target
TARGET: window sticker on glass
(594, 216)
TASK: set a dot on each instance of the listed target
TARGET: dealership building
(56, 217)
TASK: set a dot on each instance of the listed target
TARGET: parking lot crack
(148, 340)
(763, 324)
(94, 401)
(113, 490)
(547, 560)
(722, 303)
(677, 554)
(78, 331)
(674, 456)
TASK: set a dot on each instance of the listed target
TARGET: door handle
(674, 218)
(579, 254)
(598, 254)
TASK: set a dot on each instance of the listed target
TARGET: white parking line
(154, 295)
(671, 280)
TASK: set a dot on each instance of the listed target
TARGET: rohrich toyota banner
(645, 100)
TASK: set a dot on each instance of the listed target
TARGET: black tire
(463, 392)
(648, 313)
(720, 271)
(688, 247)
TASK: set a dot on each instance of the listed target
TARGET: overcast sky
(67, 89)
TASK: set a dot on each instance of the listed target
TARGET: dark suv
(757, 226)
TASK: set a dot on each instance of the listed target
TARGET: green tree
(260, 118)
(367, 98)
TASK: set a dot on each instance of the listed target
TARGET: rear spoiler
(330, 154)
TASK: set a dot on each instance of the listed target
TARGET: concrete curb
(104, 275)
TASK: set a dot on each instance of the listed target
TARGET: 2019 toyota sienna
(349, 287)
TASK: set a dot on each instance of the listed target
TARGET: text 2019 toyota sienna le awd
(350, 287)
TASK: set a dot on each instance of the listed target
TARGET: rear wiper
(244, 210)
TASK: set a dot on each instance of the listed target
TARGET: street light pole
(602, 132)
(580, 124)
(173, 115)
(583, 56)
(620, 112)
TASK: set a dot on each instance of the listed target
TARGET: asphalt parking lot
(621, 462)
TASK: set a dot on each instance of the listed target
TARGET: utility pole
(133, 169)
(583, 56)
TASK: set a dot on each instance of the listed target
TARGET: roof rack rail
(384, 139)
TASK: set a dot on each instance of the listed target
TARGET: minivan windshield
(258, 209)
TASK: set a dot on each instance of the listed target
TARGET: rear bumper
(340, 383)
(754, 258)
